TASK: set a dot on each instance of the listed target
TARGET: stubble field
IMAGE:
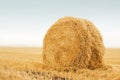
(24, 63)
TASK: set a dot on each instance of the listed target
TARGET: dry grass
(24, 64)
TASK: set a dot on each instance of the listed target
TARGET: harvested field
(24, 64)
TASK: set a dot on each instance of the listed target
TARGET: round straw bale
(73, 42)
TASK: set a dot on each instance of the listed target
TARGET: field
(25, 64)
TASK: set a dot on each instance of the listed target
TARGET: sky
(25, 22)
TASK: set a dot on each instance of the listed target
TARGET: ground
(24, 63)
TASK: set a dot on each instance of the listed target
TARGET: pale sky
(25, 22)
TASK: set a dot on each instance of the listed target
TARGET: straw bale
(73, 42)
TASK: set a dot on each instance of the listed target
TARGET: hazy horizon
(25, 22)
